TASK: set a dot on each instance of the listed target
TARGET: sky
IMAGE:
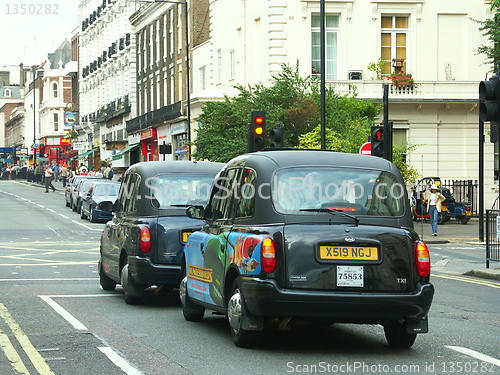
(29, 37)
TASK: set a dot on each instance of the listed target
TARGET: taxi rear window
(352, 190)
(179, 189)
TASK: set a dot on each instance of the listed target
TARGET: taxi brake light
(145, 240)
(423, 259)
(268, 255)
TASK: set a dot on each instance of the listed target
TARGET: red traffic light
(259, 120)
(378, 134)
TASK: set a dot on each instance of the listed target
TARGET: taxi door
(206, 280)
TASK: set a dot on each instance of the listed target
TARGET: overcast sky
(29, 37)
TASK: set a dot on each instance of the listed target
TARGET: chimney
(4, 78)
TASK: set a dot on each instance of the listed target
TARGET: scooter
(449, 208)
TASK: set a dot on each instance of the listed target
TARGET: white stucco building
(107, 79)
(436, 41)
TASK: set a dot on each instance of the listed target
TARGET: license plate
(348, 253)
(350, 276)
(185, 236)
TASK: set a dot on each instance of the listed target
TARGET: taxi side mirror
(196, 212)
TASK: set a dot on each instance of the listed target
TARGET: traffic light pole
(387, 126)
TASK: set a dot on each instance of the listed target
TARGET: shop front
(149, 144)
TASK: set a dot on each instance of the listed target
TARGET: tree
(292, 101)
(491, 29)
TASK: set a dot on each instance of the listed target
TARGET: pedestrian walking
(433, 199)
(49, 176)
(64, 173)
(108, 172)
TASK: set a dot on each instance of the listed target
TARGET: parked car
(79, 191)
(70, 188)
(294, 235)
(97, 192)
(142, 245)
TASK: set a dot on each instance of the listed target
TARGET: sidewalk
(460, 234)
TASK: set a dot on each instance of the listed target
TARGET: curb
(494, 274)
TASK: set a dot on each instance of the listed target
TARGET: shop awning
(85, 154)
(122, 152)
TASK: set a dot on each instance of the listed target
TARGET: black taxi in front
(308, 235)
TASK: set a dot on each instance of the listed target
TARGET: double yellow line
(10, 351)
(491, 284)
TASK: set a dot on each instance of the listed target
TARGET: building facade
(106, 82)
(434, 41)
(164, 76)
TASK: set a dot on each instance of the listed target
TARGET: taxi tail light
(423, 259)
(268, 255)
(145, 240)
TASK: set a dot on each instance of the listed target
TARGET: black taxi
(294, 235)
(141, 246)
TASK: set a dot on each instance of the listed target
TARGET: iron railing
(464, 191)
(492, 236)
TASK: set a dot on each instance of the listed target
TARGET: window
(355, 191)
(331, 42)
(232, 64)
(222, 201)
(393, 41)
(7, 93)
(219, 65)
(202, 78)
(55, 120)
(245, 206)
(55, 93)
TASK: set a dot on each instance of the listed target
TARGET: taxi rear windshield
(179, 189)
(352, 190)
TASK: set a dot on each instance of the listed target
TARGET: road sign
(366, 148)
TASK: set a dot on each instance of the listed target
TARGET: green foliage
(491, 29)
(376, 67)
(410, 174)
(294, 102)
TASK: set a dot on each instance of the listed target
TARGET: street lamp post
(188, 72)
(33, 68)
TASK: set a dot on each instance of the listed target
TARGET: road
(55, 318)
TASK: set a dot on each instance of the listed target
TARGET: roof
(152, 168)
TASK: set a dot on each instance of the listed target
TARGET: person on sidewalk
(49, 176)
(433, 199)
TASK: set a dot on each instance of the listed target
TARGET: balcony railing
(422, 90)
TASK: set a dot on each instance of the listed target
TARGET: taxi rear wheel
(397, 337)
(131, 291)
(105, 281)
(236, 313)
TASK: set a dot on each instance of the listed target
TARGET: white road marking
(51, 210)
(64, 216)
(86, 227)
(64, 313)
(119, 361)
(477, 355)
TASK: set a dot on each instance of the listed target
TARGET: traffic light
(276, 138)
(489, 106)
(377, 140)
(257, 131)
